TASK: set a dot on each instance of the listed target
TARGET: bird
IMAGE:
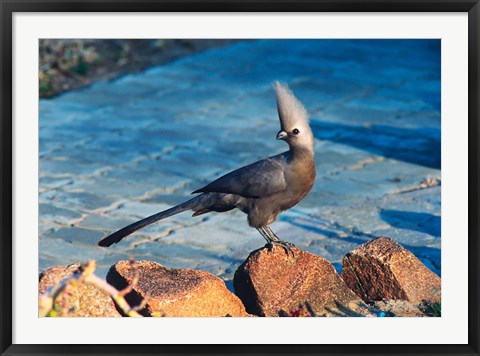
(262, 190)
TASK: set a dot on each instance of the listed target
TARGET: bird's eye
(295, 132)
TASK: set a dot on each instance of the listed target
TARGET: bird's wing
(259, 179)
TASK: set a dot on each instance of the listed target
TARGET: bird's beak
(281, 135)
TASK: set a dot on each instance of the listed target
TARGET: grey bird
(263, 189)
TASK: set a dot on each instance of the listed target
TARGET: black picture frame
(9, 7)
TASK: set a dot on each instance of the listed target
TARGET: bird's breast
(302, 176)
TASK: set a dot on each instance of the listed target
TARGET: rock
(382, 269)
(397, 308)
(175, 292)
(85, 300)
(54, 275)
(272, 283)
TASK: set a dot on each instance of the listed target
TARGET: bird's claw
(287, 246)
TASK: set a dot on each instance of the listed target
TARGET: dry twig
(47, 300)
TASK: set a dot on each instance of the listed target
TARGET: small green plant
(431, 309)
(81, 68)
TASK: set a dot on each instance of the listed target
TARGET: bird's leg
(270, 233)
(275, 237)
(270, 240)
(265, 235)
(275, 240)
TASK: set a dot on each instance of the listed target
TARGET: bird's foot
(287, 246)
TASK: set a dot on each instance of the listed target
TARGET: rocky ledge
(79, 300)
(273, 283)
(174, 291)
(379, 278)
(382, 269)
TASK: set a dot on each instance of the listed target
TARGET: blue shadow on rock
(421, 222)
(419, 146)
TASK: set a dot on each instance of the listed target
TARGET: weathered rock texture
(175, 292)
(85, 300)
(272, 283)
(382, 269)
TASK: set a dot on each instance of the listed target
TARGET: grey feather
(259, 179)
(130, 229)
(291, 112)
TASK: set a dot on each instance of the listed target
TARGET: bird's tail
(130, 229)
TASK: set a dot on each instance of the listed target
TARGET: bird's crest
(290, 110)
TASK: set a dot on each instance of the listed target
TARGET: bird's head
(295, 129)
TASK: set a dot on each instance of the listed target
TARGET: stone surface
(392, 308)
(85, 300)
(382, 269)
(175, 292)
(272, 283)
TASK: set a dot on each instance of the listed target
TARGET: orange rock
(272, 283)
(54, 275)
(175, 292)
(382, 269)
(85, 300)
